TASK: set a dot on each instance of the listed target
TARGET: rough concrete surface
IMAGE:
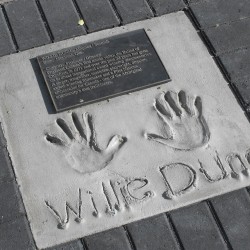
(143, 178)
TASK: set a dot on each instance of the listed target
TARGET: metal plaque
(103, 69)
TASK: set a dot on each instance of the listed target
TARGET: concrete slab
(178, 150)
(5, 1)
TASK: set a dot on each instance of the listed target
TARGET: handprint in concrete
(184, 127)
(80, 147)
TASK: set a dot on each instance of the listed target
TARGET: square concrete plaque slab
(137, 155)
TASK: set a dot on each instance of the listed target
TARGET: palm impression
(184, 127)
(80, 146)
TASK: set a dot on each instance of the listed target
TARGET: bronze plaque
(102, 69)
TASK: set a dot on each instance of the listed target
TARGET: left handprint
(80, 147)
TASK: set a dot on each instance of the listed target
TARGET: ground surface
(220, 223)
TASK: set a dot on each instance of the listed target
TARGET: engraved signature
(121, 194)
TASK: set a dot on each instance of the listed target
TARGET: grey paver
(133, 10)
(6, 43)
(197, 228)
(193, 1)
(233, 210)
(27, 24)
(11, 205)
(166, 6)
(74, 245)
(63, 21)
(231, 36)
(6, 172)
(98, 14)
(213, 12)
(108, 240)
(3, 142)
(153, 233)
(243, 87)
(16, 235)
(237, 64)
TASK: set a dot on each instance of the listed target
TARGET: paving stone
(193, 1)
(16, 235)
(27, 24)
(108, 240)
(98, 14)
(133, 10)
(243, 87)
(166, 6)
(6, 43)
(11, 205)
(153, 233)
(231, 36)
(63, 21)
(6, 172)
(74, 245)
(213, 12)
(3, 142)
(233, 210)
(237, 64)
(197, 228)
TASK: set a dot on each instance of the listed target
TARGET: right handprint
(184, 126)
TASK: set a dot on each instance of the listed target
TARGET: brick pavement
(220, 223)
